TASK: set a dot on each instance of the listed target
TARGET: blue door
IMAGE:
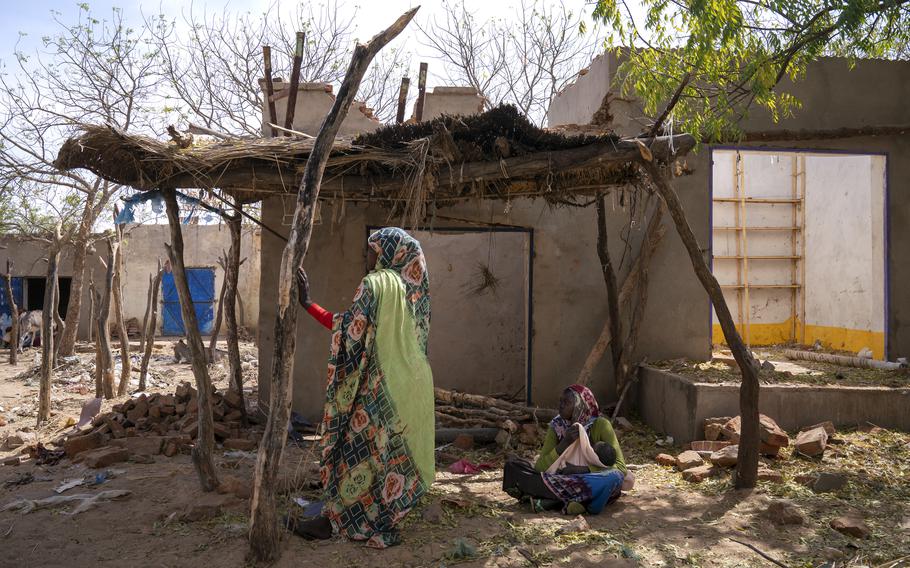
(202, 291)
(5, 319)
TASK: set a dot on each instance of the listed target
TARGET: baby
(605, 453)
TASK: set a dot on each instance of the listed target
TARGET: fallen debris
(812, 442)
(783, 512)
(86, 501)
(689, 459)
(851, 525)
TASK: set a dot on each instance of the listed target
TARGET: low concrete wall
(677, 406)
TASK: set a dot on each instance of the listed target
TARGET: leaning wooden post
(47, 329)
(219, 312)
(747, 465)
(126, 364)
(264, 530)
(609, 274)
(148, 311)
(205, 441)
(104, 328)
(294, 85)
(150, 326)
(270, 88)
(14, 314)
(421, 92)
(95, 299)
(402, 99)
(231, 277)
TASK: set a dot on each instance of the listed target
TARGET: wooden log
(269, 87)
(625, 295)
(47, 330)
(480, 401)
(205, 441)
(449, 420)
(402, 99)
(609, 274)
(14, 314)
(126, 364)
(148, 311)
(842, 360)
(95, 299)
(485, 414)
(265, 533)
(104, 331)
(150, 327)
(421, 92)
(231, 278)
(747, 465)
(295, 83)
(77, 282)
(59, 324)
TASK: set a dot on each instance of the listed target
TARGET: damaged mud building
(804, 221)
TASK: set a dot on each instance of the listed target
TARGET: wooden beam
(269, 86)
(402, 99)
(295, 83)
(421, 92)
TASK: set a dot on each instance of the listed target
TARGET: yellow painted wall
(851, 340)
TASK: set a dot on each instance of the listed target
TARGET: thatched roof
(497, 154)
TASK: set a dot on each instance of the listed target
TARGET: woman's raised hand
(303, 284)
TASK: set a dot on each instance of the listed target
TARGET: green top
(600, 431)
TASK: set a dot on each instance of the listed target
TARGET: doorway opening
(798, 246)
(34, 294)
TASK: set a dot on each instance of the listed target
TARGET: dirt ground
(664, 521)
(722, 369)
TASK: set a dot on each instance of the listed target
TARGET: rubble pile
(720, 449)
(158, 424)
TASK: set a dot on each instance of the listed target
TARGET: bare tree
(214, 71)
(93, 71)
(525, 59)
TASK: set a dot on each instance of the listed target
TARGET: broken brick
(232, 398)
(665, 459)
(103, 457)
(851, 525)
(784, 512)
(78, 444)
(464, 442)
(240, 444)
(701, 473)
(726, 457)
(812, 442)
(688, 460)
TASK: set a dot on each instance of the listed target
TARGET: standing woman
(378, 426)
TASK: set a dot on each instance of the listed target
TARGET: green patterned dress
(377, 446)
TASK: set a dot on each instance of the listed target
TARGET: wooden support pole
(150, 326)
(231, 277)
(264, 529)
(205, 441)
(402, 99)
(14, 314)
(59, 324)
(104, 328)
(148, 310)
(126, 364)
(747, 466)
(421, 92)
(219, 311)
(609, 274)
(269, 87)
(295, 83)
(47, 329)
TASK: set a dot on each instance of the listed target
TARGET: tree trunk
(747, 465)
(606, 266)
(231, 277)
(264, 530)
(47, 330)
(80, 252)
(219, 313)
(103, 323)
(150, 325)
(205, 441)
(126, 364)
(14, 314)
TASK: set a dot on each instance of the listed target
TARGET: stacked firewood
(463, 410)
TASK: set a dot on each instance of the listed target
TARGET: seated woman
(575, 489)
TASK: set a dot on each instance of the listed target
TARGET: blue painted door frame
(5, 320)
(202, 291)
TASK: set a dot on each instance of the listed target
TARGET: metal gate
(202, 291)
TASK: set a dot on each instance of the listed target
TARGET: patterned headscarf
(396, 250)
(584, 410)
